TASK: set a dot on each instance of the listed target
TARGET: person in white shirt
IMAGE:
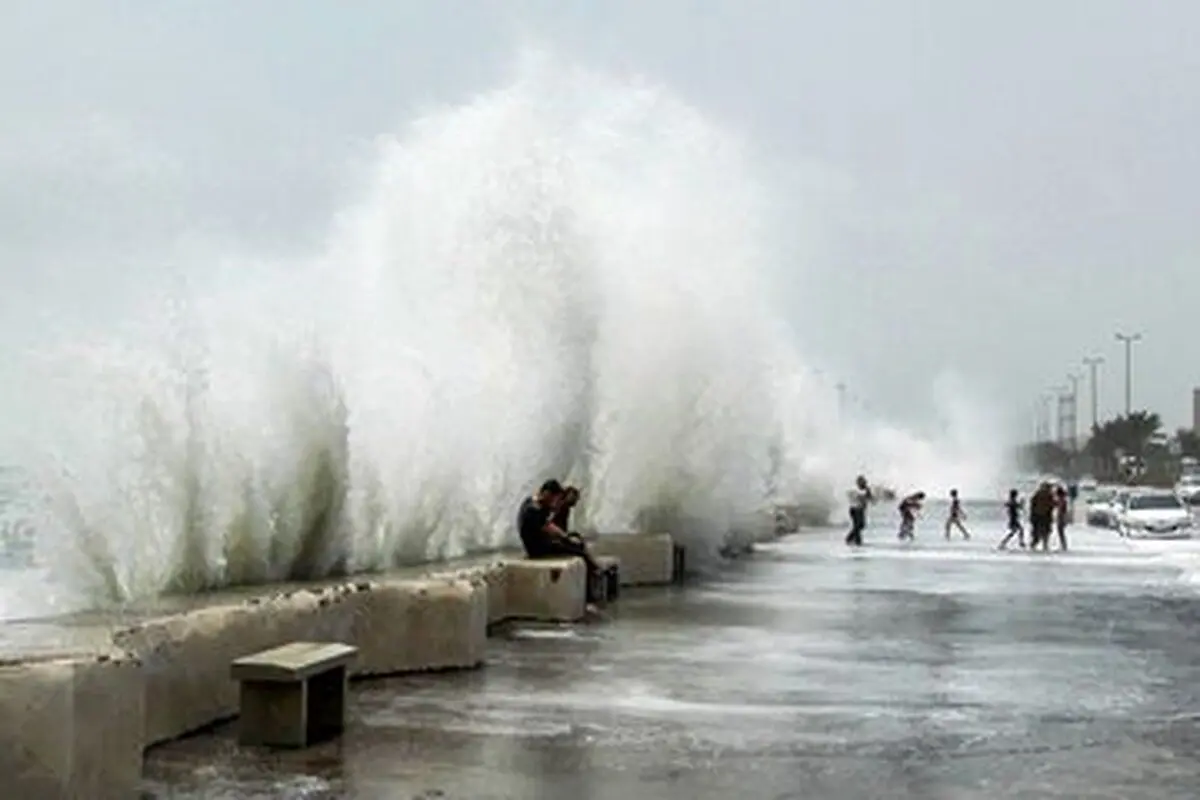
(860, 497)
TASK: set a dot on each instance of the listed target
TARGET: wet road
(937, 670)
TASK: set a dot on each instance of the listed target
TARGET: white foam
(543, 633)
(391, 398)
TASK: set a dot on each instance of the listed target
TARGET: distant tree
(1129, 434)
(1189, 442)
(1050, 457)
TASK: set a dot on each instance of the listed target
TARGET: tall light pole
(1128, 340)
(1059, 395)
(1074, 409)
(1045, 432)
(1093, 364)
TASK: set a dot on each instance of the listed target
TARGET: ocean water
(570, 274)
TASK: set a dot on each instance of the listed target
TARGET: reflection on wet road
(938, 670)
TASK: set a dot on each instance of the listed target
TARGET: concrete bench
(294, 695)
(647, 559)
(546, 589)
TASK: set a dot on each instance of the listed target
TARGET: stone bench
(546, 589)
(294, 695)
(647, 559)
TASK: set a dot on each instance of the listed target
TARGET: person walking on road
(956, 517)
(860, 498)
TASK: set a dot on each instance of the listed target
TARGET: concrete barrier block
(496, 577)
(647, 559)
(439, 622)
(186, 657)
(550, 590)
(493, 576)
(72, 728)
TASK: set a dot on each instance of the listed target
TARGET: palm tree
(1123, 436)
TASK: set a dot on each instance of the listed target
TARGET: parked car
(1188, 489)
(1150, 514)
(1099, 510)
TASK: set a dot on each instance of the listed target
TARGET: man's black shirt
(1014, 513)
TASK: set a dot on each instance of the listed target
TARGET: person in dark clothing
(956, 516)
(562, 512)
(1062, 516)
(909, 507)
(534, 523)
(1041, 517)
(541, 537)
(1013, 507)
(860, 497)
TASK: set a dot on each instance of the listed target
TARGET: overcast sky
(991, 189)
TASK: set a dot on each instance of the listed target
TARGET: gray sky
(985, 188)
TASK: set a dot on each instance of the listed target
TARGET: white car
(1188, 489)
(1153, 515)
(1100, 510)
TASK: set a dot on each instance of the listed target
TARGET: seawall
(83, 696)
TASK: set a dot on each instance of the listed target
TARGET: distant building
(1196, 410)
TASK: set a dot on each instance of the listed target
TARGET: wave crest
(568, 276)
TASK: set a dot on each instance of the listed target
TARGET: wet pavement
(933, 670)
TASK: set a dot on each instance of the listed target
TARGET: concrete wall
(185, 658)
(71, 728)
(75, 725)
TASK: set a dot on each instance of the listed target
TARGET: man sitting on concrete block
(598, 590)
(542, 538)
(562, 513)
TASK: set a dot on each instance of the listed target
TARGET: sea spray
(568, 277)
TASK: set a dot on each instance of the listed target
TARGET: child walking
(957, 515)
(1015, 528)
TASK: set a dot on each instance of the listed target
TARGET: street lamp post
(1059, 395)
(1074, 409)
(1046, 420)
(1093, 363)
(1128, 339)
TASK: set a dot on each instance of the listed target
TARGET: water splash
(567, 276)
